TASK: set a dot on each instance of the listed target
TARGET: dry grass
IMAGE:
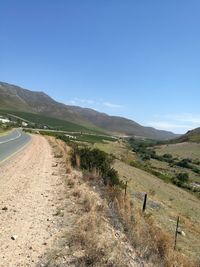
(94, 236)
(109, 230)
(181, 150)
(100, 249)
(169, 201)
(151, 242)
(70, 183)
(118, 149)
(91, 238)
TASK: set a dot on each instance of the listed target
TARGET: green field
(94, 138)
(80, 138)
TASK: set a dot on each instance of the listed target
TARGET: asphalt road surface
(11, 143)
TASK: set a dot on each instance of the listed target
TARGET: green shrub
(183, 177)
(183, 163)
(95, 158)
(167, 156)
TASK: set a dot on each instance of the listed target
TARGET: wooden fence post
(125, 189)
(145, 202)
(176, 233)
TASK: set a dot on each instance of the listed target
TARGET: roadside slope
(28, 197)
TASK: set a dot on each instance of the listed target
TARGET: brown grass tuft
(77, 193)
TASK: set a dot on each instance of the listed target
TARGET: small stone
(183, 233)
(55, 165)
(14, 237)
(44, 244)
(5, 208)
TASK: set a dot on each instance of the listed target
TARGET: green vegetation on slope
(80, 138)
(165, 200)
(96, 159)
(190, 136)
(39, 121)
(93, 138)
(181, 172)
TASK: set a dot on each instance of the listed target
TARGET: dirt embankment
(30, 195)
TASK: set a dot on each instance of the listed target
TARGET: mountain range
(15, 98)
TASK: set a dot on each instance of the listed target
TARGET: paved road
(11, 143)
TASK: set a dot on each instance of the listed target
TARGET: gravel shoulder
(30, 192)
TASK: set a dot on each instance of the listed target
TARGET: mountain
(190, 136)
(16, 98)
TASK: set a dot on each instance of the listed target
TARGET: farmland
(39, 121)
(93, 138)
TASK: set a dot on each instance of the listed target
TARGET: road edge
(19, 150)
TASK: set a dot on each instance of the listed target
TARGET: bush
(183, 177)
(101, 161)
(195, 169)
(167, 156)
(177, 182)
(112, 177)
(184, 163)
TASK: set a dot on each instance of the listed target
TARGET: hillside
(190, 136)
(18, 99)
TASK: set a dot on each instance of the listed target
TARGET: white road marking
(12, 139)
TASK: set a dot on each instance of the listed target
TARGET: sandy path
(30, 192)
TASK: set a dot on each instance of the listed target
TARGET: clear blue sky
(135, 58)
